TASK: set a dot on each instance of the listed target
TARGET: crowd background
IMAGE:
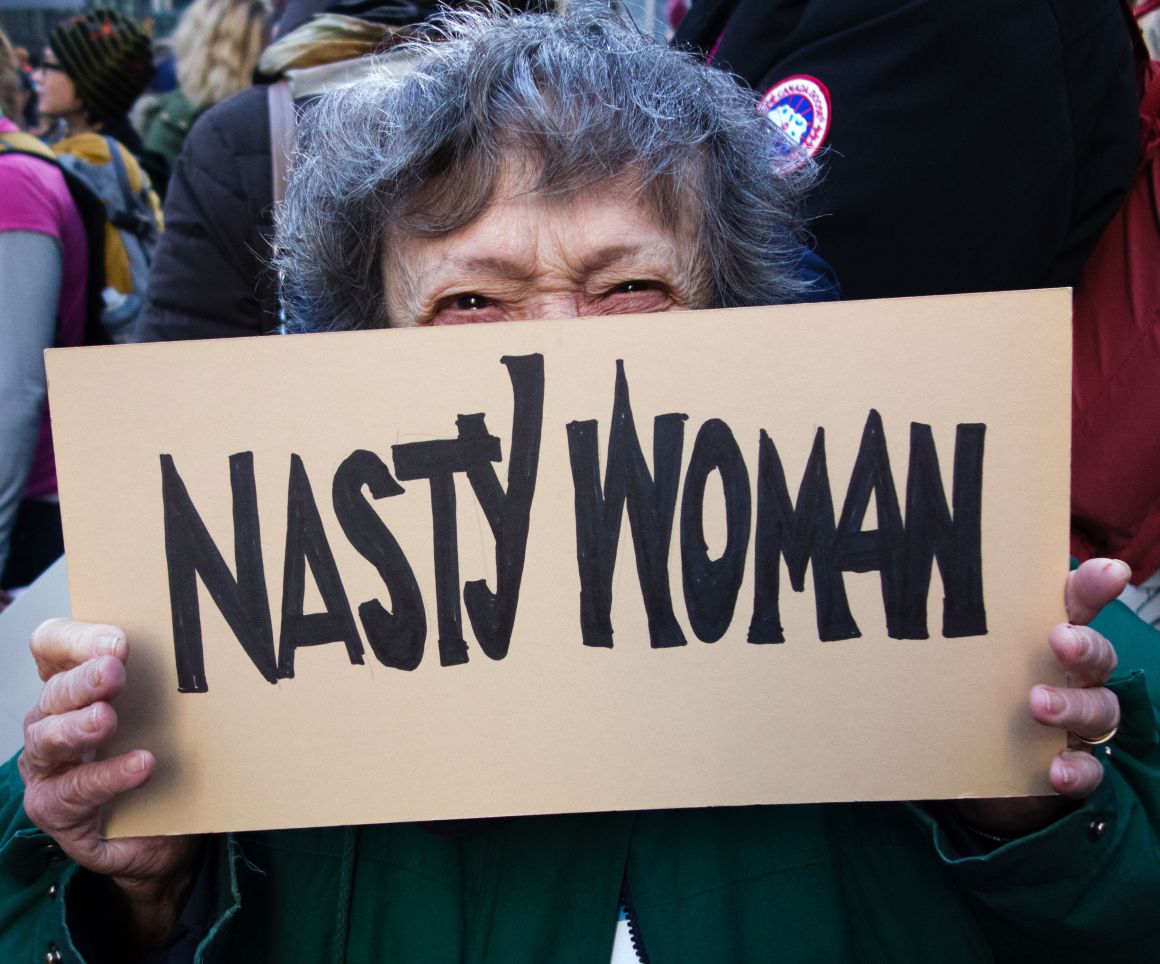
(140, 74)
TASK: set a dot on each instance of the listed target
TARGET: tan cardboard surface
(557, 725)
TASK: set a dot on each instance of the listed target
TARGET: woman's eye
(637, 296)
(468, 308)
(632, 287)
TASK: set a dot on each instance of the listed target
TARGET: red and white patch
(800, 107)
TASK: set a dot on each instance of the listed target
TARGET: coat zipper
(633, 926)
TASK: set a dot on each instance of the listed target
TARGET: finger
(65, 738)
(1085, 655)
(98, 679)
(1088, 713)
(70, 800)
(1092, 586)
(61, 644)
(1075, 774)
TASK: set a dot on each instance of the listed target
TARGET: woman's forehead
(639, 201)
(519, 219)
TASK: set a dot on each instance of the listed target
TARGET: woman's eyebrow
(608, 256)
(515, 269)
(511, 268)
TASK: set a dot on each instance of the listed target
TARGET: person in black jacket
(964, 146)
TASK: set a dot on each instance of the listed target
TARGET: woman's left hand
(1085, 709)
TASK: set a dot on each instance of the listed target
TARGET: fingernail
(1049, 700)
(1121, 567)
(1066, 774)
(137, 763)
(107, 644)
(91, 721)
(95, 674)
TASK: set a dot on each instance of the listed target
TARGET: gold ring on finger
(1098, 740)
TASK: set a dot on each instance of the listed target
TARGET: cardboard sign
(728, 557)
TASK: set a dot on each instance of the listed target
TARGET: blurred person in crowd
(11, 88)
(25, 111)
(217, 45)
(95, 66)
(557, 167)
(163, 82)
(43, 277)
(212, 277)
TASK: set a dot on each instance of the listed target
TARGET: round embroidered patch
(800, 106)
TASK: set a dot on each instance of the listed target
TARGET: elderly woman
(618, 180)
(550, 168)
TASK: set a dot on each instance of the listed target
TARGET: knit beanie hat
(109, 59)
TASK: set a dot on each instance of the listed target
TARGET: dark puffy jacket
(211, 276)
(972, 146)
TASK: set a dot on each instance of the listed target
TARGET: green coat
(842, 882)
(175, 116)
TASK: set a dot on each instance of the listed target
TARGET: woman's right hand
(83, 668)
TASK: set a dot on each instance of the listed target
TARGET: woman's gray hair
(584, 96)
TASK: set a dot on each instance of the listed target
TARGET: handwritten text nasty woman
(917, 525)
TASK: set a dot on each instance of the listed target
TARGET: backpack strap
(119, 166)
(19, 142)
(139, 226)
(283, 134)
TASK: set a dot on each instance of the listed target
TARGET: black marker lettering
(711, 585)
(190, 552)
(508, 513)
(875, 549)
(438, 461)
(651, 505)
(396, 638)
(804, 534)
(306, 544)
(932, 533)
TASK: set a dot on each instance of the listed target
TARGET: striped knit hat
(109, 59)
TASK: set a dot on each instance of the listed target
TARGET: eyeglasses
(51, 65)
